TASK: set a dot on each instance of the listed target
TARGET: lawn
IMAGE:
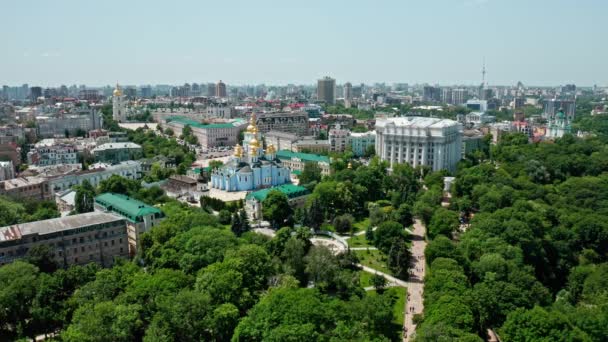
(359, 241)
(365, 279)
(373, 258)
(361, 225)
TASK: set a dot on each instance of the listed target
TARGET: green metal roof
(297, 172)
(290, 190)
(126, 206)
(287, 154)
(197, 124)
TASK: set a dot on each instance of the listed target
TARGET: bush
(224, 217)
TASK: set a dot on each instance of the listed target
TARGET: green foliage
(344, 223)
(276, 208)
(85, 197)
(311, 173)
(16, 210)
(443, 222)
(386, 234)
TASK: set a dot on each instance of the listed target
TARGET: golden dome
(254, 143)
(238, 151)
(117, 91)
(350, 165)
(252, 128)
(271, 149)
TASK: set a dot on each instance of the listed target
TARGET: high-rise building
(553, 106)
(326, 90)
(446, 95)
(459, 96)
(348, 94)
(348, 91)
(419, 141)
(431, 94)
(35, 93)
(210, 89)
(220, 89)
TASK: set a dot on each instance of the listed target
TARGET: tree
(169, 132)
(399, 258)
(539, 324)
(314, 214)
(403, 215)
(370, 151)
(343, 223)
(17, 291)
(43, 257)
(105, 321)
(379, 282)
(240, 223)
(276, 208)
(310, 173)
(85, 197)
(386, 234)
(215, 164)
(443, 222)
(224, 216)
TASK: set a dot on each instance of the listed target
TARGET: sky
(537, 42)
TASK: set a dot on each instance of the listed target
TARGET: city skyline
(269, 42)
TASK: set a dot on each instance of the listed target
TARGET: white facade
(96, 173)
(419, 141)
(7, 171)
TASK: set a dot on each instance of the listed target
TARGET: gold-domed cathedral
(251, 167)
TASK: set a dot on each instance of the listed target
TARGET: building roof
(290, 190)
(196, 124)
(286, 154)
(54, 225)
(125, 206)
(416, 122)
(116, 146)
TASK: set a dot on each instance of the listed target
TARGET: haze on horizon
(542, 42)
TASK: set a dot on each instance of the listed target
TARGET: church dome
(238, 151)
(271, 149)
(254, 143)
(252, 128)
(117, 91)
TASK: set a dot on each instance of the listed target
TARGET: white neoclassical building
(419, 141)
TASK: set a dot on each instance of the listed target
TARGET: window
(75, 259)
(112, 242)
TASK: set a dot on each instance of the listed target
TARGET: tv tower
(483, 74)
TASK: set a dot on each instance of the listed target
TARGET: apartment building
(74, 240)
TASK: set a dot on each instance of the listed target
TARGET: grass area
(359, 241)
(399, 294)
(361, 225)
(374, 259)
(365, 279)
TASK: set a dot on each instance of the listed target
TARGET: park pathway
(415, 284)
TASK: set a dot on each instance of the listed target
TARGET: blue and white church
(251, 168)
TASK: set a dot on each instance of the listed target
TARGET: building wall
(437, 147)
(99, 243)
(263, 177)
(127, 170)
(117, 155)
(292, 122)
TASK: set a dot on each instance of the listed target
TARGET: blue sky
(538, 42)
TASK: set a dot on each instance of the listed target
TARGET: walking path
(391, 280)
(362, 248)
(415, 284)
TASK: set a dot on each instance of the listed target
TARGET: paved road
(415, 284)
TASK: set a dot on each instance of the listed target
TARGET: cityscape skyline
(439, 42)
